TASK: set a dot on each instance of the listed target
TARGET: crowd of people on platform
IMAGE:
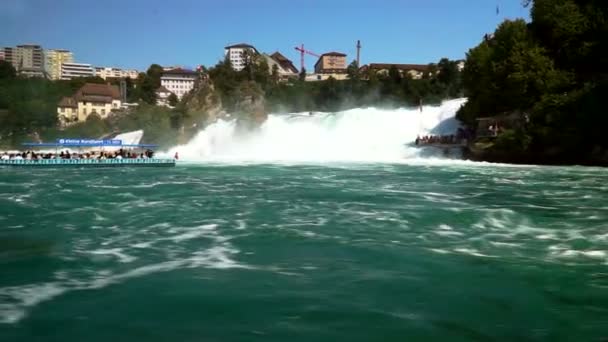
(461, 137)
(120, 154)
(437, 139)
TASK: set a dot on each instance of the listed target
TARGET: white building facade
(237, 54)
(109, 72)
(178, 81)
(72, 70)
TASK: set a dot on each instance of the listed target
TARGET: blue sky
(136, 33)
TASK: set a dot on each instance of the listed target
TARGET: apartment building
(238, 55)
(110, 72)
(72, 70)
(26, 59)
(178, 81)
(53, 59)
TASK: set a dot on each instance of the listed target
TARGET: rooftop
(179, 71)
(241, 45)
(284, 62)
(92, 92)
(68, 102)
(333, 53)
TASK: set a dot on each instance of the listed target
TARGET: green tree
(7, 70)
(173, 100)
(509, 72)
(154, 72)
(448, 73)
(146, 85)
(353, 71)
(261, 72)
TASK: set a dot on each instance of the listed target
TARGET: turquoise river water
(338, 252)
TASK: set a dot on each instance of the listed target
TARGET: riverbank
(482, 153)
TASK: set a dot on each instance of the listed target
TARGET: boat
(104, 146)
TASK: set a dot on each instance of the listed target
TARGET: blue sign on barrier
(89, 142)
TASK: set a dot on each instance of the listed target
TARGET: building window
(103, 112)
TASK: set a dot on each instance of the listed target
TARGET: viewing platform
(443, 145)
(97, 153)
(136, 162)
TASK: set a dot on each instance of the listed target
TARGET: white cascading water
(356, 135)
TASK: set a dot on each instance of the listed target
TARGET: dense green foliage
(7, 70)
(28, 105)
(440, 82)
(553, 71)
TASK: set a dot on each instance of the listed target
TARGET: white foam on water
(444, 226)
(471, 251)
(116, 252)
(356, 135)
(23, 297)
(195, 232)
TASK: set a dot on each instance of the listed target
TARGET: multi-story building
(26, 59)
(100, 99)
(331, 63)
(53, 59)
(1, 54)
(415, 71)
(72, 70)
(239, 55)
(109, 72)
(285, 67)
(178, 81)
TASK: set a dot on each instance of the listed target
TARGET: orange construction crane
(302, 52)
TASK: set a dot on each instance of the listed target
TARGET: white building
(237, 54)
(109, 72)
(162, 96)
(178, 81)
(72, 70)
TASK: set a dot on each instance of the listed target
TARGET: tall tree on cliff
(507, 72)
(556, 68)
